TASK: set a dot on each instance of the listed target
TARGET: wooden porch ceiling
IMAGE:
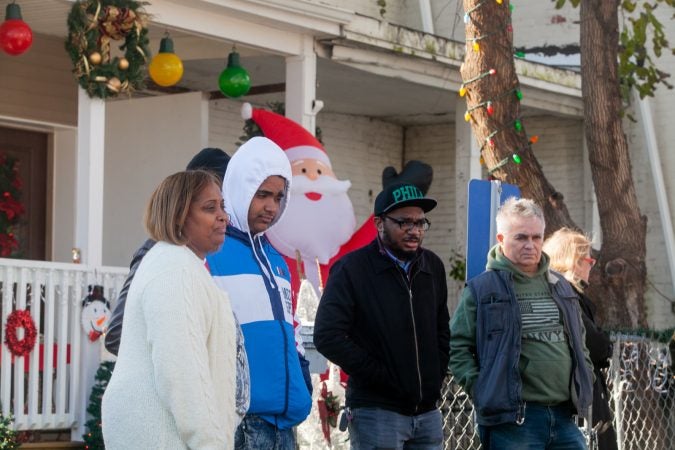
(345, 86)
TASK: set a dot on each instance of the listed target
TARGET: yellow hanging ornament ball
(123, 64)
(166, 69)
(114, 84)
(95, 58)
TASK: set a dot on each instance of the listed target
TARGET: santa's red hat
(296, 141)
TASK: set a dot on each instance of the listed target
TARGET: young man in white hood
(257, 279)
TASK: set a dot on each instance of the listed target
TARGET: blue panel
(478, 227)
(478, 222)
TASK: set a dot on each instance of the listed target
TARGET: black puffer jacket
(600, 348)
(114, 333)
(390, 334)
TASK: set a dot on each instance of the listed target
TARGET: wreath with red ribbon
(20, 319)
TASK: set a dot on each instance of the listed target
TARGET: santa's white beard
(316, 228)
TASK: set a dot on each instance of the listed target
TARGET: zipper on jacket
(408, 286)
(520, 415)
(288, 377)
(519, 328)
(417, 351)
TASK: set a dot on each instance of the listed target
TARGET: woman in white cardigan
(173, 386)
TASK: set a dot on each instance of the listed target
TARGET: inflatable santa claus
(319, 222)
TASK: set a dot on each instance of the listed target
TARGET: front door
(29, 148)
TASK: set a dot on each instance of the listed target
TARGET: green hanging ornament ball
(234, 81)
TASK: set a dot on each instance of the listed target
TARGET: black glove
(414, 172)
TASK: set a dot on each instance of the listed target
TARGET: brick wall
(435, 145)
(559, 151)
(360, 147)
(225, 125)
(659, 296)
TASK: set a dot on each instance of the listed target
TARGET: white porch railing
(44, 389)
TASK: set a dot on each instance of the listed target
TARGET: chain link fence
(641, 386)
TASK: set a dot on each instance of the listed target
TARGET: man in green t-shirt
(517, 342)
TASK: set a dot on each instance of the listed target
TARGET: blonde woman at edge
(570, 253)
(173, 386)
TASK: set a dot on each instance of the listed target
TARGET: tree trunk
(618, 282)
(619, 278)
(490, 25)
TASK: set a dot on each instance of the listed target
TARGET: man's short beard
(403, 255)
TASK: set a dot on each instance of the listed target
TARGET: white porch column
(301, 86)
(467, 167)
(88, 231)
(89, 184)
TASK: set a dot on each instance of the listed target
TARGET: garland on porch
(20, 318)
(11, 209)
(9, 437)
(93, 437)
(92, 25)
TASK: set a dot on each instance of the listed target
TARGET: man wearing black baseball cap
(383, 318)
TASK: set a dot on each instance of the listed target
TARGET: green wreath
(92, 25)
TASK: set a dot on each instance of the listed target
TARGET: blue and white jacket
(257, 280)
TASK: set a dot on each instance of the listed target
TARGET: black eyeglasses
(408, 225)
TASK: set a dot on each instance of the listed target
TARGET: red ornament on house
(15, 35)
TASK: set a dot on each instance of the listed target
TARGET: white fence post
(54, 392)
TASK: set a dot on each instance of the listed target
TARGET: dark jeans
(376, 428)
(544, 428)
(255, 433)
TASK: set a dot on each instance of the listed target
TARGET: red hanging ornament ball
(6, 194)
(15, 35)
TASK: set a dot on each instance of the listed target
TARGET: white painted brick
(360, 148)
(660, 295)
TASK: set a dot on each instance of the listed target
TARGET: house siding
(135, 163)
(559, 151)
(659, 296)
(361, 147)
(38, 86)
(435, 145)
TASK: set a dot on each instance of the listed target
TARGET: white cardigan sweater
(173, 386)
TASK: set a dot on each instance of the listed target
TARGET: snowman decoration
(95, 313)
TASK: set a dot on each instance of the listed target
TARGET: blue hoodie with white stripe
(257, 280)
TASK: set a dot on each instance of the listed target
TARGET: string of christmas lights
(516, 124)
(474, 40)
(467, 15)
(462, 89)
(489, 104)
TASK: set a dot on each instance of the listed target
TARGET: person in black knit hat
(212, 159)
